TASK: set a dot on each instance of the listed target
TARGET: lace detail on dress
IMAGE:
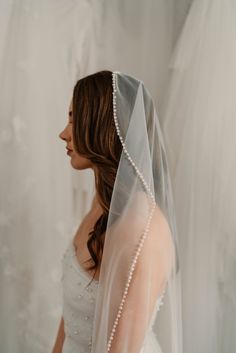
(78, 303)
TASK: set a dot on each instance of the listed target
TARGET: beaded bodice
(78, 303)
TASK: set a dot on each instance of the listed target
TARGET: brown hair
(95, 138)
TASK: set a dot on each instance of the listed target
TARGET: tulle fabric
(199, 129)
(141, 240)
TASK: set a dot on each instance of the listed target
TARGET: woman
(128, 237)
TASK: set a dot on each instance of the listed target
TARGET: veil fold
(139, 270)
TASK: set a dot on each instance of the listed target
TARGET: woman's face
(77, 161)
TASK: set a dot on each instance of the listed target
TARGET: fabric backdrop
(199, 128)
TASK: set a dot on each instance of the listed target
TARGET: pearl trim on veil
(144, 235)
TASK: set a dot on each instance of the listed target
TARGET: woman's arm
(148, 283)
(60, 338)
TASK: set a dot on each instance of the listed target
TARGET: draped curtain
(199, 127)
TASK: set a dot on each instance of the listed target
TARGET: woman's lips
(68, 151)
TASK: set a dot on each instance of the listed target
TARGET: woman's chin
(78, 162)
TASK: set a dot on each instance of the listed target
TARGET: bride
(122, 262)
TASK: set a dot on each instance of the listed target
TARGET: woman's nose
(62, 135)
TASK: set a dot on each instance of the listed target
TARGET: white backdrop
(199, 128)
(45, 46)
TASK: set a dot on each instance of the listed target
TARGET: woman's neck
(96, 206)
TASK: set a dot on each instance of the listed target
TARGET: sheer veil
(139, 269)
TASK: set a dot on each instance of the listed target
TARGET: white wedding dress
(79, 305)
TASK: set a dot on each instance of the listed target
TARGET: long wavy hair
(95, 138)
